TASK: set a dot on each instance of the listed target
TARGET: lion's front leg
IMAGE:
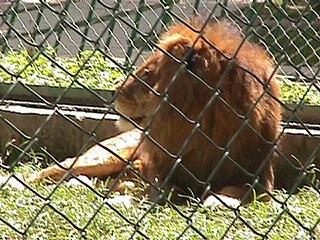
(101, 160)
(54, 172)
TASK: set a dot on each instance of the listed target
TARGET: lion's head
(160, 76)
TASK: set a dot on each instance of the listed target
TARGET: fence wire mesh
(65, 66)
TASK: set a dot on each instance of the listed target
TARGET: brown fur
(223, 120)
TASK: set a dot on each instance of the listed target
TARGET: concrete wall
(64, 139)
(57, 134)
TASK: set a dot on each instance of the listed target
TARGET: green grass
(89, 68)
(44, 214)
(93, 70)
(299, 92)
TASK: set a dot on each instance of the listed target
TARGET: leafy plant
(293, 92)
(89, 68)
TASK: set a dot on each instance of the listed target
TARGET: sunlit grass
(80, 212)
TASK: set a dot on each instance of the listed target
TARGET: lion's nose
(118, 86)
(120, 90)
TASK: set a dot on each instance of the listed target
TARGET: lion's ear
(177, 45)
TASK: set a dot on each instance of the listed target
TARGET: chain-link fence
(205, 108)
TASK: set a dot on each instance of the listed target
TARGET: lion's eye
(145, 74)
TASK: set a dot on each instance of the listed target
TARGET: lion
(207, 101)
(200, 117)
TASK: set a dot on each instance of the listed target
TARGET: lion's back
(244, 119)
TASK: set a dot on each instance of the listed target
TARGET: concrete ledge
(300, 152)
(74, 96)
(305, 113)
(64, 132)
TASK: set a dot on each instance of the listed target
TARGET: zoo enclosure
(122, 35)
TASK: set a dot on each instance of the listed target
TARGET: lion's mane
(208, 103)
